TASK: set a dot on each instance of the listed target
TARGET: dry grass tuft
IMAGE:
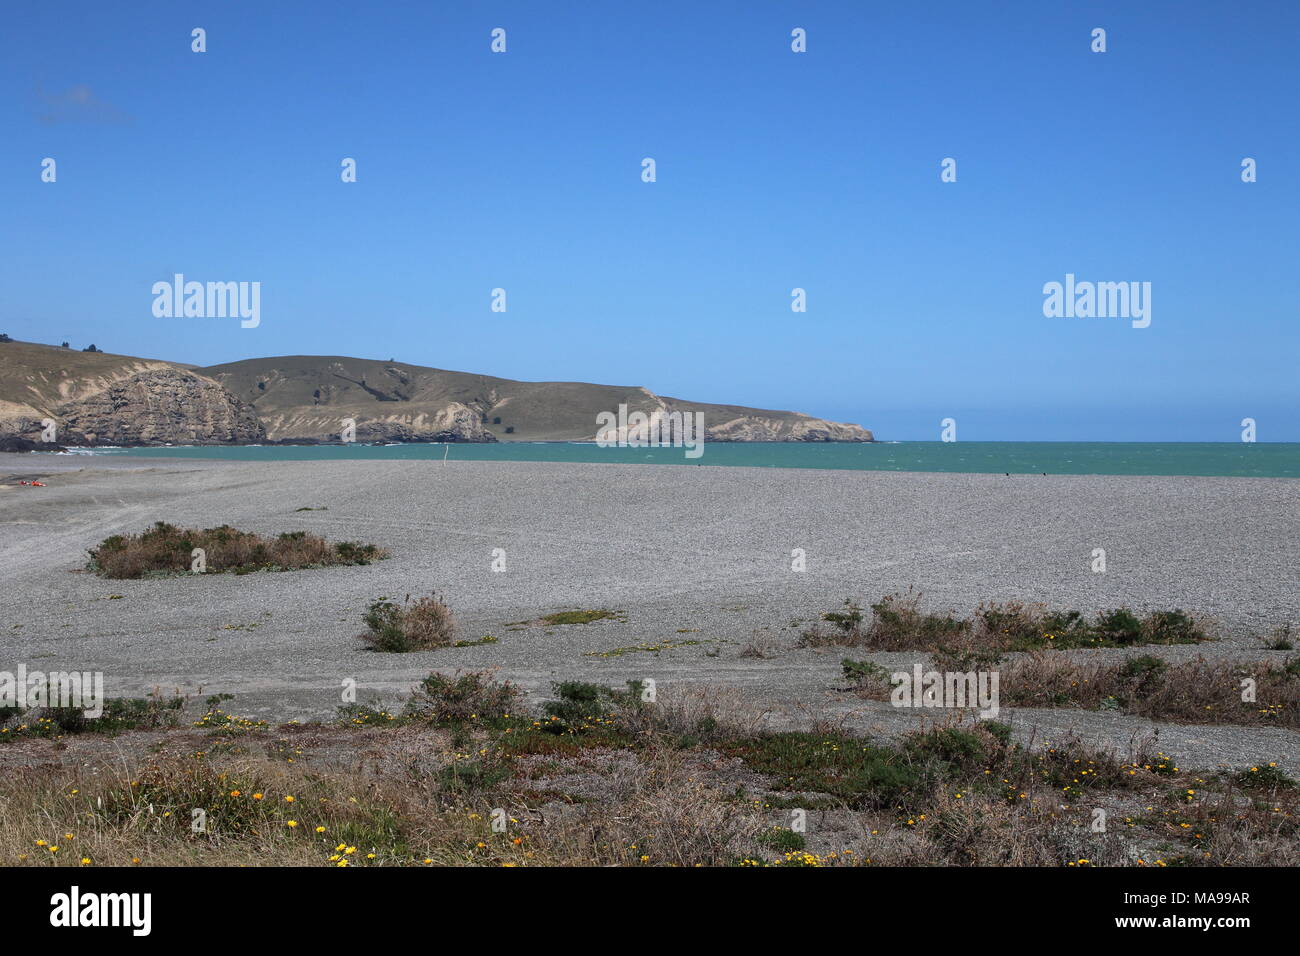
(1196, 692)
(700, 712)
(418, 625)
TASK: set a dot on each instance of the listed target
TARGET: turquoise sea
(1259, 459)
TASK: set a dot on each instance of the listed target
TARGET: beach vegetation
(420, 625)
(576, 617)
(1282, 638)
(898, 623)
(166, 550)
(119, 714)
(443, 700)
(1252, 693)
(684, 780)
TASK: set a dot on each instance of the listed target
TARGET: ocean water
(1259, 459)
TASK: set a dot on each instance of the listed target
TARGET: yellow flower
(291, 824)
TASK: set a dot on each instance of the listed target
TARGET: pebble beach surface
(700, 554)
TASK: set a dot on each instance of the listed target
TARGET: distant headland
(57, 395)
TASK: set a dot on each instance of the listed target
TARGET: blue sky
(775, 170)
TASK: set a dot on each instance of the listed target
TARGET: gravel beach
(684, 553)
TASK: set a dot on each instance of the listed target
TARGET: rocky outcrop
(456, 422)
(797, 428)
(14, 443)
(160, 406)
(453, 422)
(733, 423)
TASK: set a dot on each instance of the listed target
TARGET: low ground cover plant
(569, 618)
(119, 714)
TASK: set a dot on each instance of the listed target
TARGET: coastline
(1207, 459)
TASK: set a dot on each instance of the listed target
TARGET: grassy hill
(306, 396)
(36, 380)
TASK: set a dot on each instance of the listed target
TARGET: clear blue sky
(775, 170)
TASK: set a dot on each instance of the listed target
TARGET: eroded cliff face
(456, 422)
(159, 406)
(453, 422)
(730, 423)
(802, 428)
